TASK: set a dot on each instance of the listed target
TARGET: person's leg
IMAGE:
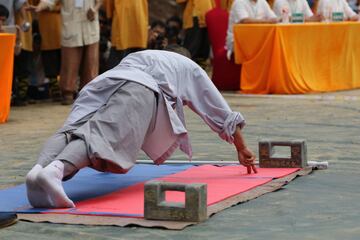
(20, 87)
(51, 60)
(67, 163)
(53, 146)
(90, 63)
(48, 180)
(192, 41)
(115, 133)
(114, 58)
(70, 62)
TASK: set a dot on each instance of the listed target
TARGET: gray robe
(178, 81)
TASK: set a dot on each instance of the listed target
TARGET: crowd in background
(63, 44)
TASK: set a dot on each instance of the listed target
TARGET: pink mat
(222, 183)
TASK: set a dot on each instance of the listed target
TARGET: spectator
(4, 14)
(196, 36)
(129, 32)
(290, 7)
(37, 84)
(326, 8)
(157, 36)
(161, 38)
(174, 38)
(247, 11)
(22, 60)
(174, 26)
(50, 32)
(105, 41)
(79, 43)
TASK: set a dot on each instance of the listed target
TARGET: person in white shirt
(136, 105)
(327, 7)
(247, 11)
(295, 6)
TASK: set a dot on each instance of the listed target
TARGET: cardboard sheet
(124, 221)
(122, 203)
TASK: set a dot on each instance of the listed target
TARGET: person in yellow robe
(23, 61)
(226, 4)
(196, 36)
(129, 27)
(50, 31)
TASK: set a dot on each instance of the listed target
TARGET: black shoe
(7, 219)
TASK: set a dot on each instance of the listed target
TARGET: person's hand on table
(354, 18)
(247, 158)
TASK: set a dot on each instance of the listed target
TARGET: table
(7, 44)
(298, 58)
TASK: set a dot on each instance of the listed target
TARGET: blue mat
(87, 184)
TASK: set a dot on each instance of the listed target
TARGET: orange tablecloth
(7, 43)
(298, 58)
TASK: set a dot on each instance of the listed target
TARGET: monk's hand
(91, 14)
(247, 158)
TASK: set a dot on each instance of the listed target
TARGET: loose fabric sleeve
(348, 12)
(307, 11)
(203, 98)
(279, 5)
(269, 12)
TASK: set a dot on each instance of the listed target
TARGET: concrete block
(193, 210)
(268, 159)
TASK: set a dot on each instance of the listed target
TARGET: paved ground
(323, 205)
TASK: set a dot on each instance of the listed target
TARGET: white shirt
(293, 6)
(77, 30)
(242, 9)
(326, 7)
(179, 81)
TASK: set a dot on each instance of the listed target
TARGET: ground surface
(323, 205)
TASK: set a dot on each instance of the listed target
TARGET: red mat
(222, 183)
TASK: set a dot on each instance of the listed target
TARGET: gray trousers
(108, 139)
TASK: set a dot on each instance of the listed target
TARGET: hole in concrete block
(175, 196)
(281, 152)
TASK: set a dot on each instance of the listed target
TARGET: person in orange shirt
(196, 36)
(129, 28)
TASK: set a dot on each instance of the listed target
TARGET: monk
(136, 105)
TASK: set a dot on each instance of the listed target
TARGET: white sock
(50, 179)
(36, 195)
